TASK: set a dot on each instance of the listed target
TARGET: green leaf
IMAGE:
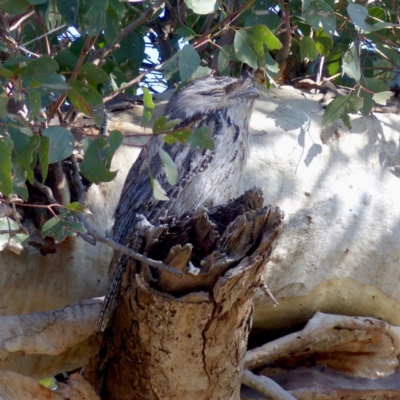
(6, 146)
(60, 228)
(186, 33)
(131, 49)
(62, 143)
(367, 102)
(112, 25)
(42, 66)
(68, 9)
(162, 124)
(28, 156)
(168, 166)
(6, 73)
(118, 7)
(76, 207)
(171, 66)
(93, 166)
(34, 103)
(37, 1)
(6, 224)
(351, 63)
(382, 97)
(53, 82)
(244, 49)
(321, 14)
(226, 54)
(323, 42)
(93, 73)
(359, 14)
(14, 6)
(44, 149)
(3, 102)
(189, 61)
(180, 135)
(262, 34)
(114, 141)
(201, 72)
(87, 100)
(20, 136)
(371, 85)
(201, 139)
(19, 180)
(96, 16)
(308, 49)
(203, 6)
(148, 106)
(158, 192)
(340, 107)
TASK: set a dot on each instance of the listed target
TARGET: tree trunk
(185, 338)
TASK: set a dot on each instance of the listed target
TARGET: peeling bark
(185, 338)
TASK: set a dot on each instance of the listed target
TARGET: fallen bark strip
(46, 343)
(361, 346)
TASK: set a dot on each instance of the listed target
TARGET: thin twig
(125, 250)
(16, 24)
(45, 34)
(143, 17)
(269, 294)
(265, 385)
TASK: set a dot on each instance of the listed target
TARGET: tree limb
(265, 385)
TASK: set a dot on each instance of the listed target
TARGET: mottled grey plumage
(205, 177)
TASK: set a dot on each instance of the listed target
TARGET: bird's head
(213, 94)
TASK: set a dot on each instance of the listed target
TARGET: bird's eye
(212, 92)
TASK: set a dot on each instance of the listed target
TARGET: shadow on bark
(185, 338)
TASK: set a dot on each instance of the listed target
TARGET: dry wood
(184, 338)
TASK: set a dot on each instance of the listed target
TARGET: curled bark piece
(46, 343)
(361, 346)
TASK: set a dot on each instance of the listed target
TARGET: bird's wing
(137, 194)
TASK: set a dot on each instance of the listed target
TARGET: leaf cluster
(61, 59)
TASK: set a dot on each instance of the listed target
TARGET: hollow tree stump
(185, 338)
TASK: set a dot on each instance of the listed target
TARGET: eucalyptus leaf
(158, 192)
(87, 100)
(340, 108)
(93, 166)
(351, 63)
(244, 49)
(44, 149)
(62, 143)
(203, 6)
(168, 166)
(201, 138)
(189, 61)
(27, 158)
(93, 73)
(382, 97)
(148, 106)
(308, 48)
(6, 146)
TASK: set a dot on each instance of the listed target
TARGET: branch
(143, 17)
(265, 385)
(127, 251)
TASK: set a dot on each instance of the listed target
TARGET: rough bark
(185, 338)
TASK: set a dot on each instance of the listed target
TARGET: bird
(206, 177)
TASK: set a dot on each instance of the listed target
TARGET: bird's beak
(249, 93)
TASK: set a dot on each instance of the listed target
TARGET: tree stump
(185, 338)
